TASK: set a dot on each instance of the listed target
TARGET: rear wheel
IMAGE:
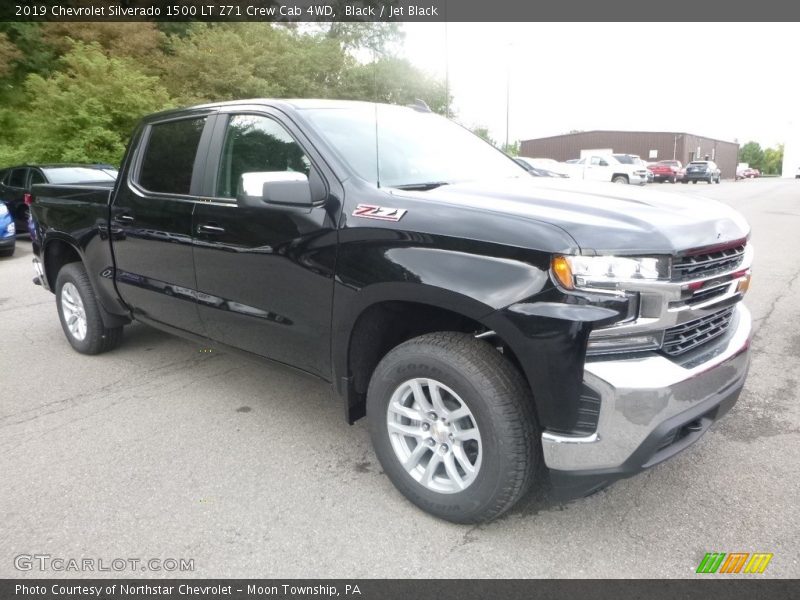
(80, 315)
(619, 179)
(452, 424)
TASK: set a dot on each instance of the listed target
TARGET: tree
(393, 80)
(752, 154)
(86, 111)
(9, 54)
(483, 132)
(773, 160)
(511, 149)
(247, 60)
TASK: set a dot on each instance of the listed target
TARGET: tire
(6, 252)
(719, 179)
(674, 179)
(75, 298)
(619, 179)
(468, 374)
(694, 181)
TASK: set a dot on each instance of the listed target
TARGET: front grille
(707, 264)
(689, 335)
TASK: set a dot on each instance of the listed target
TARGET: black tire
(6, 252)
(501, 405)
(710, 180)
(719, 179)
(619, 179)
(674, 179)
(694, 180)
(98, 338)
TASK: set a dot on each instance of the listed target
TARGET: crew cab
(496, 330)
(605, 167)
(666, 170)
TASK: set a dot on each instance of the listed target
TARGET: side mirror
(287, 188)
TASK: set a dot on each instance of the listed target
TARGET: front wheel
(452, 424)
(79, 313)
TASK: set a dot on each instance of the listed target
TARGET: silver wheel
(73, 311)
(434, 435)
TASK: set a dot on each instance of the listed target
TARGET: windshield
(412, 149)
(76, 175)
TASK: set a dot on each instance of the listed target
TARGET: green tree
(752, 154)
(393, 80)
(86, 111)
(773, 160)
(9, 54)
(511, 149)
(248, 60)
(483, 132)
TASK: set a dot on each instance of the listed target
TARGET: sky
(730, 81)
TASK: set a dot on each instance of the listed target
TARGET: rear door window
(168, 160)
(17, 178)
(37, 177)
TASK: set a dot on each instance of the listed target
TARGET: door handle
(127, 218)
(212, 229)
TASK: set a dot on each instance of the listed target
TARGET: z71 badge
(382, 213)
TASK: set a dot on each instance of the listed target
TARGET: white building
(791, 151)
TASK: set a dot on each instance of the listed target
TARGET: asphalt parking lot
(161, 450)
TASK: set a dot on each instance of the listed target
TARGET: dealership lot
(162, 449)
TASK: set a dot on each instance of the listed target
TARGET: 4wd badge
(382, 213)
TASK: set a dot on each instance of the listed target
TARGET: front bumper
(635, 179)
(652, 407)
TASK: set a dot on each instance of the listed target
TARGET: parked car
(666, 170)
(16, 182)
(495, 330)
(748, 173)
(702, 170)
(797, 173)
(535, 171)
(8, 231)
(605, 167)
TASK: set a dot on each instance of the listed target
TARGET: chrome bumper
(642, 397)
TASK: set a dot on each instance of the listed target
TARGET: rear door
(265, 272)
(151, 221)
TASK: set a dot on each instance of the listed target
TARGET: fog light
(624, 343)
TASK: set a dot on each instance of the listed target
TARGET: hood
(602, 218)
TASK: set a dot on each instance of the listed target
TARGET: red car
(748, 174)
(666, 170)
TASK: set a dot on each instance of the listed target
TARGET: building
(652, 146)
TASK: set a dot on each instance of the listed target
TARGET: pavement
(159, 450)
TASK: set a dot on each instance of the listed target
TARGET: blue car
(8, 231)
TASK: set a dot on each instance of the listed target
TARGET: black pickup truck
(498, 331)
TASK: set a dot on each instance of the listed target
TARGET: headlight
(3, 210)
(607, 271)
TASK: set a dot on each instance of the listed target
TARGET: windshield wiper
(421, 187)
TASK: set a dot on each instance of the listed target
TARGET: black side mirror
(285, 188)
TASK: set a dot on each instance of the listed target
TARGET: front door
(265, 272)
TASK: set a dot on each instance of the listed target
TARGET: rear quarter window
(169, 156)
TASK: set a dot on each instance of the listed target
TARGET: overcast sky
(726, 81)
